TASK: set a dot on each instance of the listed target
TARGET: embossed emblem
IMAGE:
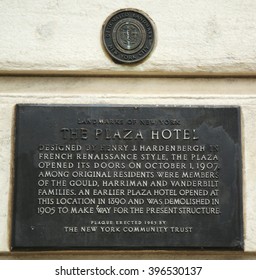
(128, 36)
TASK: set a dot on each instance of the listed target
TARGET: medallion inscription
(128, 36)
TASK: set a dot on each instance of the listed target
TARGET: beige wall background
(164, 91)
(194, 37)
(205, 54)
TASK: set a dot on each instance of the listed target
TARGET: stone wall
(194, 37)
(162, 91)
(205, 54)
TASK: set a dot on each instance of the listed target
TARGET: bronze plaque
(128, 36)
(112, 177)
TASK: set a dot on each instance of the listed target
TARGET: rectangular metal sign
(112, 177)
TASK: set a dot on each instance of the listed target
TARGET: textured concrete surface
(194, 37)
(167, 91)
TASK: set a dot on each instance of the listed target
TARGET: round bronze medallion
(128, 36)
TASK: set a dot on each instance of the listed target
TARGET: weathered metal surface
(89, 177)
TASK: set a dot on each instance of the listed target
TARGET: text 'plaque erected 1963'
(94, 177)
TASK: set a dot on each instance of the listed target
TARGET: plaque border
(240, 243)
